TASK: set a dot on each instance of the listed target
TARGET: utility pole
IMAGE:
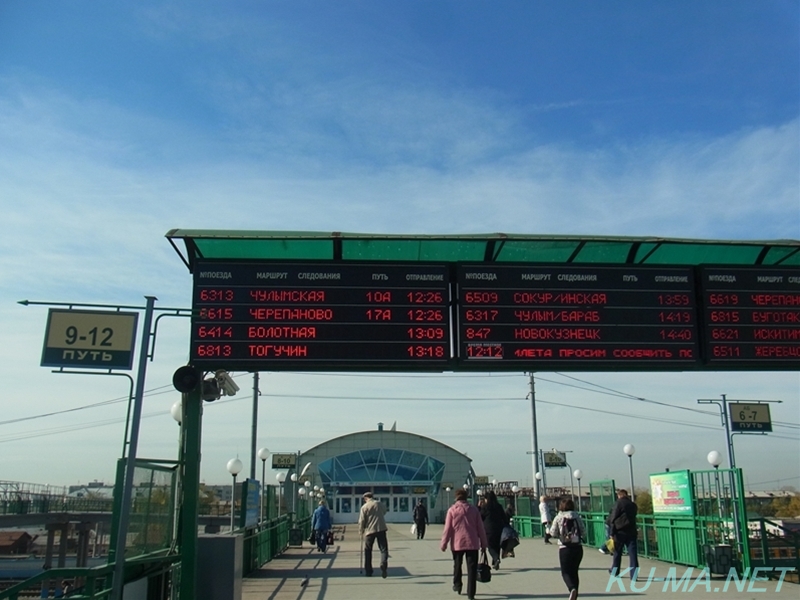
(254, 428)
(534, 436)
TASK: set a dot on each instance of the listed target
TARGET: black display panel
(275, 316)
(561, 317)
(751, 317)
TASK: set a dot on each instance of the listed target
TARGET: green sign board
(672, 493)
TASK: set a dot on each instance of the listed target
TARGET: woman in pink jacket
(463, 530)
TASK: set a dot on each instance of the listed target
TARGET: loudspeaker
(186, 379)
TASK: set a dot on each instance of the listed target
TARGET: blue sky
(119, 122)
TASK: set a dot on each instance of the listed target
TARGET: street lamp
(234, 467)
(515, 490)
(307, 485)
(176, 411)
(578, 474)
(539, 478)
(630, 450)
(447, 489)
(280, 478)
(263, 454)
(494, 483)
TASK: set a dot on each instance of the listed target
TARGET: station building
(398, 467)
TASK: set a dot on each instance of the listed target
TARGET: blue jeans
(623, 541)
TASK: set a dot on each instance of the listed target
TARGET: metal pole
(233, 502)
(130, 463)
(190, 503)
(263, 488)
(630, 463)
(534, 436)
(254, 428)
(571, 484)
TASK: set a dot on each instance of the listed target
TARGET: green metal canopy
(491, 247)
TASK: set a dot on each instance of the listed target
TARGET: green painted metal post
(192, 423)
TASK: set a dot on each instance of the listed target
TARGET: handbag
(484, 570)
(414, 529)
(312, 539)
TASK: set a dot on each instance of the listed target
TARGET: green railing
(774, 546)
(264, 544)
(95, 583)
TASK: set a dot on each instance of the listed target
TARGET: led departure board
(274, 316)
(751, 317)
(567, 317)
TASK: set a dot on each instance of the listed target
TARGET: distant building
(15, 542)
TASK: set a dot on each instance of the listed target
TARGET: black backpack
(568, 531)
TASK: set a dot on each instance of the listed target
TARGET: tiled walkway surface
(418, 570)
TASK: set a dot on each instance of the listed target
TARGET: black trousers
(383, 546)
(421, 529)
(570, 558)
(472, 570)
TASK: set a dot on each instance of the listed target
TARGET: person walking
(464, 532)
(372, 527)
(321, 524)
(569, 529)
(420, 519)
(494, 520)
(624, 533)
(546, 517)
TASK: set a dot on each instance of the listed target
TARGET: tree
(644, 501)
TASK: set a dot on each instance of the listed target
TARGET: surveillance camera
(210, 390)
(226, 383)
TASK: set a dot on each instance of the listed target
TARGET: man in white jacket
(371, 527)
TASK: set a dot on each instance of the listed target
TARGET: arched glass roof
(385, 465)
(493, 247)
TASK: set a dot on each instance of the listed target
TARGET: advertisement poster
(672, 493)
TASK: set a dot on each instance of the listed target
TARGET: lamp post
(234, 467)
(280, 478)
(447, 489)
(538, 476)
(294, 495)
(307, 485)
(714, 458)
(629, 450)
(515, 490)
(263, 454)
(578, 474)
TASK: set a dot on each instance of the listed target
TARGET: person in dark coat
(494, 519)
(622, 521)
(420, 519)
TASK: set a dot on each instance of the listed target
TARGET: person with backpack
(570, 531)
(624, 533)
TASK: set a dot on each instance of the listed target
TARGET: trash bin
(719, 558)
(295, 536)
